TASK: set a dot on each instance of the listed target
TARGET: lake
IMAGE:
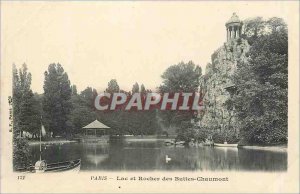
(151, 155)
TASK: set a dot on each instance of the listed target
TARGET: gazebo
(96, 128)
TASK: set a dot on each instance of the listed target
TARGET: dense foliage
(262, 82)
(21, 153)
(183, 77)
(129, 121)
(82, 112)
(26, 105)
(57, 100)
(26, 112)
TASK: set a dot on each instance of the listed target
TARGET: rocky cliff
(217, 87)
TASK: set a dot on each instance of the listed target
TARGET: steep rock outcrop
(216, 86)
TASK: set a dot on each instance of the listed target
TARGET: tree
(135, 88)
(26, 115)
(74, 90)
(254, 27)
(276, 24)
(16, 100)
(183, 77)
(88, 95)
(143, 89)
(129, 122)
(56, 100)
(81, 114)
(261, 101)
(26, 106)
(34, 124)
(112, 86)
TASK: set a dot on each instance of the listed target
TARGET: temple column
(240, 30)
(234, 31)
(228, 34)
(233, 34)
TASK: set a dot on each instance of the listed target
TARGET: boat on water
(225, 144)
(175, 143)
(41, 166)
(169, 142)
(180, 143)
(67, 166)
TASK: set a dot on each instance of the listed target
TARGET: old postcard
(149, 96)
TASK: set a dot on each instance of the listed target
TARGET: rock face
(217, 86)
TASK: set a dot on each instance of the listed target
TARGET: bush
(186, 135)
(221, 137)
(21, 154)
(239, 41)
(201, 134)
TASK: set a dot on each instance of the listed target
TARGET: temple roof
(96, 125)
(234, 19)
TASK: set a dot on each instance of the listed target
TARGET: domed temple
(233, 27)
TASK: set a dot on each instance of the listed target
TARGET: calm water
(151, 156)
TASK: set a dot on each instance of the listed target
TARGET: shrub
(221, 137)
(186, 135)
(21, 154)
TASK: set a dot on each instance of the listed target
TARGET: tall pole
(41, 139)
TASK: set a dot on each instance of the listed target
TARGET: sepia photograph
(146, 87)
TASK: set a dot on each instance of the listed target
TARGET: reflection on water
(151, 156)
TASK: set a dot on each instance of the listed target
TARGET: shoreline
(51, 142)
(277, 148)
(281, 148)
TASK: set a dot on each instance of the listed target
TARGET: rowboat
(179, 143)
(173, 142)
(42, 167)
(68, 166)
(225, 145)
(169, 142)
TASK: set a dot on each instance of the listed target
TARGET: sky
(131, 41)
